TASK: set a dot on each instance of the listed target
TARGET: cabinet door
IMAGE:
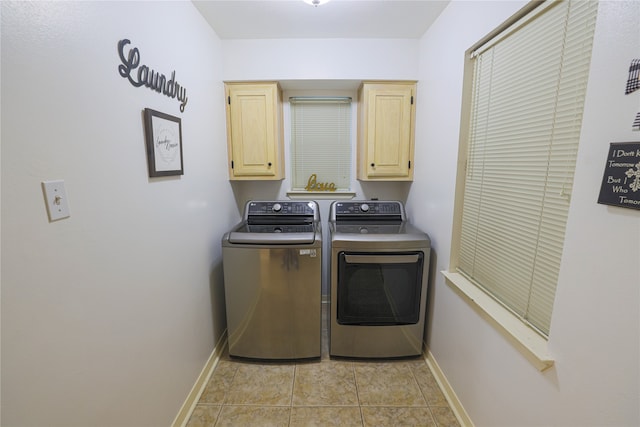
(253, 131)
(387, 131)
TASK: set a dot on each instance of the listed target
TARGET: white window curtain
(526, 114)
(321, 142)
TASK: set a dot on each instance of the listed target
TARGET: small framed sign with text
(164, 143)
(621, 180)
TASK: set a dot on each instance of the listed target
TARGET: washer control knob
(277, 207)
(364, 207)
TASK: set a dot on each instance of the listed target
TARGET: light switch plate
(56, 199)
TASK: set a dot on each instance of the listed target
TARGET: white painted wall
(320, 59)
(595, 330)
(108, 316)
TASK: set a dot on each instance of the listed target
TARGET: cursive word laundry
(148, 77)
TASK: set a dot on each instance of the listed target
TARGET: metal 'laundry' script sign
(141, 75)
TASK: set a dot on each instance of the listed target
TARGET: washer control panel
(281, 208)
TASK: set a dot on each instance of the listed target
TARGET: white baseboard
(201, 382)
(450, 395)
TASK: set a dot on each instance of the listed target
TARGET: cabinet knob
(269, 164)
(373, 165)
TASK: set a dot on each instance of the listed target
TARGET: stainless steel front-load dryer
(379, 274)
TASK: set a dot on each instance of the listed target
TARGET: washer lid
(275, 238)
(274, 234)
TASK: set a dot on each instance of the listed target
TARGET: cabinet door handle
(373, 165)
(269, 164)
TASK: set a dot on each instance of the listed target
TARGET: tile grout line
(422, 392)
(293, 387)
(226, 392)
(355, 380)
(417, 383)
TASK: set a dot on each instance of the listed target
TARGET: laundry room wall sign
(621, 180)
(142, 75)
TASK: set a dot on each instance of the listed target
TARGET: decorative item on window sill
(316, 3)
(313, 185)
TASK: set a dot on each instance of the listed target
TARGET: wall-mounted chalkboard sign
(621, 180)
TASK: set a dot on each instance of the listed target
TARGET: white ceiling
(258, 19)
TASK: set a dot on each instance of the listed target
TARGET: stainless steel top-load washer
(272, 265)
(379, 273)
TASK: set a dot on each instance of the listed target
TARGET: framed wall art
(163, 134)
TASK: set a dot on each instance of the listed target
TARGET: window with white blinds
(529, 85)
(320, 143)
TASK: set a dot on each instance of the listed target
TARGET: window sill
(528, 342)
(320, 195)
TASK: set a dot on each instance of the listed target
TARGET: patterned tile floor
(325, 392)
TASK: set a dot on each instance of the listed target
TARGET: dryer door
(379, 288)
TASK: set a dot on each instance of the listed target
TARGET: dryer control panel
(369, 208)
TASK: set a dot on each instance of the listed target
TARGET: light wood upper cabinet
(386, 123)
(254, 130)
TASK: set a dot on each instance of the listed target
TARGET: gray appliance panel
(271, 238)
(376, 341)
(282, 209)
(273, 297)
(367, 210)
